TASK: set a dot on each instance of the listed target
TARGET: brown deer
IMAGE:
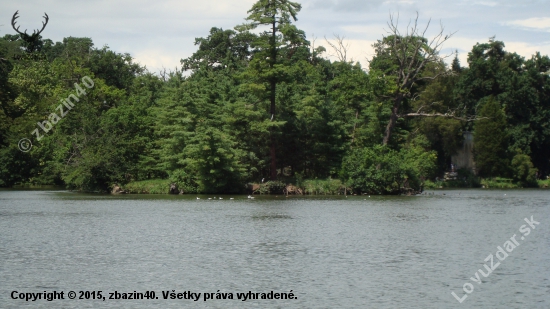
(32, 39)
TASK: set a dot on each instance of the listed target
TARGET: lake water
(331, 252)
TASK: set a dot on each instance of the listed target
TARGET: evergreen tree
(490, 140)
(266, 66)
(455, 65)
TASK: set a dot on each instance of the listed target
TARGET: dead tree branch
(446, 115)
(411, 52)
(340, 48)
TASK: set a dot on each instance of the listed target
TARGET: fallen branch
(452, 116)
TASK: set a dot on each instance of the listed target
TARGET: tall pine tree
(266, 67)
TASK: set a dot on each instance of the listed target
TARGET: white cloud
(527, 50)
(535, 23)
(346, 5)
(507, 3)
(357, 50)
(158, 34)
(399, 2)
(486, 3)
(156, 59)
(464, 46)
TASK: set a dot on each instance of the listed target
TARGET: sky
(158, 34)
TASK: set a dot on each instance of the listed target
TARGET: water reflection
(271, 216)
(334, 252)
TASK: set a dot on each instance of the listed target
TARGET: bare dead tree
(163, 74)
(412, 52)
(30, 39)
(340, 48)
(313, 39)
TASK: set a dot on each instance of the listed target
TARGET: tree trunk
(273, 149)
(273, 85)
(354, 126)
(273, 158)
(393, 119)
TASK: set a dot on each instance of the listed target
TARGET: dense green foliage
(523, 169)
(258, 102)
(490, 140)
(382, 170)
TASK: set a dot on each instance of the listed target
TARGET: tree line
(260, 101)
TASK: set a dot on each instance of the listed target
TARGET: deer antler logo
(30, 39)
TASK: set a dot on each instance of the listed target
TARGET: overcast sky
(159, 33)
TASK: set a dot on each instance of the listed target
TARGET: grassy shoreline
(330, 186)
(306, 187)
(151, 186)
(485, 183)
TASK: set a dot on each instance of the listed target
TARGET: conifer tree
(490, 139)
(266, 66)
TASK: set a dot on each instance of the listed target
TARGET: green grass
(544, 183)
(37, 186)
(459, 183)
(428, 184)
(151, 186)
(322, 186)
(499, 183)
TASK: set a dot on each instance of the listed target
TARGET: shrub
(272, 187)
(381, 170)
(499, 183)
(523, 169)
(322, 186)
(151, 186)
(184, 181)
